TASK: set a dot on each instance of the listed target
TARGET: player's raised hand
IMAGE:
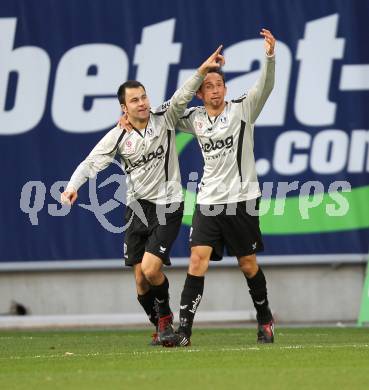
(124, 123)
(216, 60)
(68, 197)
(269, 41)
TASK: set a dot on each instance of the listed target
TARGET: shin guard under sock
(161, 293)
(147, 301)
(190, 300)
(258, 292)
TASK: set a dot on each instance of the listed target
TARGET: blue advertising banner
(62, 62)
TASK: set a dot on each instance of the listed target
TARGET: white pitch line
(187, 350)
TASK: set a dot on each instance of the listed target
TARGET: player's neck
(215, 111)
(139, 124)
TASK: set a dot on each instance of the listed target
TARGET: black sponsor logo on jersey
(217, 145)
(158, 153)
(165, 105)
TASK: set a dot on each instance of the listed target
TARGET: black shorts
(235, 227)
(157, 236)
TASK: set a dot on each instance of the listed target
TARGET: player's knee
(150, 272)
(249, 265)
(198, 263)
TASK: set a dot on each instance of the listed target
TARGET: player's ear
(123, 107)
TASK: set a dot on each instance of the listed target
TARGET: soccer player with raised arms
(226, 213)
(150, 161)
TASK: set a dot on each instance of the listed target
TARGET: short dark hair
(218, 71)
(121, 94)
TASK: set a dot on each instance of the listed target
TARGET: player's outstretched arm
(178, 103)
(99, 158)
(259, 93)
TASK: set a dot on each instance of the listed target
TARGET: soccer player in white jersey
(154, 192)
(226, 212)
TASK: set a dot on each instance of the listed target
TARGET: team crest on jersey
(129, 147)
(199, 125)
(150, 131)
(223, 120)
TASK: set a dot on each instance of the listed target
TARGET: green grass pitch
(301, 358)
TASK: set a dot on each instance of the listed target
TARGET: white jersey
(227, 143)
(148, 157)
